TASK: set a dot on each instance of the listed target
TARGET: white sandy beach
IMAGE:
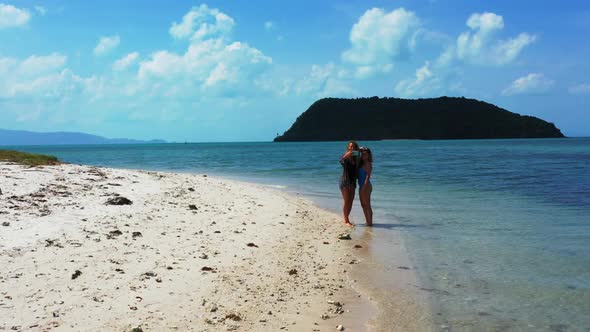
(191, 253)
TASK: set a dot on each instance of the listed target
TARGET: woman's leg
(348, 198)
(365, 197)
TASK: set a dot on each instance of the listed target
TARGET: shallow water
(499, 229)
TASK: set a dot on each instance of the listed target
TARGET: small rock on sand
(118, 201)
(6, 223)
(234, 317)
(340, 328)
(344, 236)
(76, 274)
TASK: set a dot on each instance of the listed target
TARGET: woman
(365, 186)
(349, 161)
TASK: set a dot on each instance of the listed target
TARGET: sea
(498, 230)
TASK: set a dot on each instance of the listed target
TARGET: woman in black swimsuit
(349, 162)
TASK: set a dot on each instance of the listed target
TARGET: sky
(244, 70)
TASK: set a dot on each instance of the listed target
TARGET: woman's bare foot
(349, 224)
(369, 224)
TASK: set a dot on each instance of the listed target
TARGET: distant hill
(335, 119)
(21, 137)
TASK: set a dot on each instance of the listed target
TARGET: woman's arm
(347, 155)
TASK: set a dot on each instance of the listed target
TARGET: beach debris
(120, 200)
(6, 224)
(192, 207)
(204, 175)
(203, 256)
(207, 269)
(76, 274)
(344, 236)
(357, 246)
(53, 243)
(338, 310)
(158, 279)
(250, 244)
(114, 234)
(133, 308)
(233, 316)
(340, 328)
(136, 234)
(213, 308)
(136, 329)
(325, 316)
(149, 274)
(191, 189)
(292, 272)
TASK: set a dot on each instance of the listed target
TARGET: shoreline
(294, 272)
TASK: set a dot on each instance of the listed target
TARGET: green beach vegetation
(25, 158)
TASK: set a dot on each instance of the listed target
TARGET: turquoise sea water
(499, 229)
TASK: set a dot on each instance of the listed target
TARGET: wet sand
(187, 252)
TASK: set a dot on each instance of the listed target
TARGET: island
(374, 118)
(22, 137)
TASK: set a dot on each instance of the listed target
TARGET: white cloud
(106, 44)
(41, 10)
(202, 23)
(210, 65)
(39, 77)
(506, 51)
(423, 83)
(37, 65)
(213, 65)
(269, 25)
(579, 88)
(534, 83)
(323, 81)
(379, 38)
(479, 46)
(11, 16)
(126, 61)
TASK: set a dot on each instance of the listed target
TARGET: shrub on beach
(30, 159)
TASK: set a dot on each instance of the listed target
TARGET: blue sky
(243, 71)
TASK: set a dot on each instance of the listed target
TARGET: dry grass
(29, 159)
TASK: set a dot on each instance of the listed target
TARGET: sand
(191, 253)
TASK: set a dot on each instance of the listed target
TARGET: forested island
(336, 119)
